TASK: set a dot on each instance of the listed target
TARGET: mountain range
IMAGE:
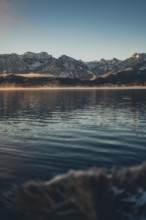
(42, 62)
(132, 69)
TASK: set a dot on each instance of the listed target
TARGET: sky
(83, 29)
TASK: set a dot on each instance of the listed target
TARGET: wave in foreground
(96, 194)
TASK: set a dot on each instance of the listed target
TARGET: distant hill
(126, 76)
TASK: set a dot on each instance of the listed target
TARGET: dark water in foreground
(48, 132)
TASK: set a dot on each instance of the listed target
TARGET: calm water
(48, 132)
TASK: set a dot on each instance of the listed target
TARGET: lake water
(44, 133)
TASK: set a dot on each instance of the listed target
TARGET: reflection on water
(48, 132)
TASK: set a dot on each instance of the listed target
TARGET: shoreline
(75, 88)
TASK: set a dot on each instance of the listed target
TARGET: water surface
(48, 132)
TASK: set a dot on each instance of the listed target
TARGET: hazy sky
(82, 29)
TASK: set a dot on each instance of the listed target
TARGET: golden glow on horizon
(34, 75)
(70, 88)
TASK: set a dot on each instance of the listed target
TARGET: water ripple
(44, 133)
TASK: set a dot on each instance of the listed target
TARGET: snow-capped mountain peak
(40, 56)
(135, 55)
(139, 55)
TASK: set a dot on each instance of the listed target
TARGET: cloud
(11, 14)
(7, 10)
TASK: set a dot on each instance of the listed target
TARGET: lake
(44, 133)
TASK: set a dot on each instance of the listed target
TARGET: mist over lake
(45, 133)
